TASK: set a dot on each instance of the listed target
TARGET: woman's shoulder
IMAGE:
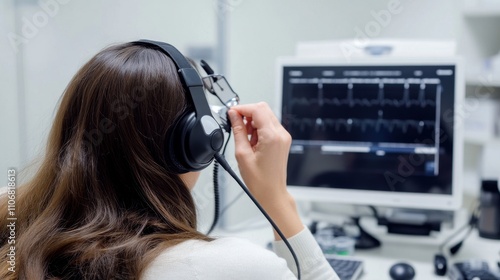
(223, 258)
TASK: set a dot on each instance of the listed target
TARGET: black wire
(228, 168)
(451, 236)
(366, 240)
(216, 189)
(374, 210)
(216, 197)
(455, 248)
(470, 225)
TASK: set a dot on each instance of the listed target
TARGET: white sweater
(232, 258)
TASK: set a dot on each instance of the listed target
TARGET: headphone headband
(189, 76)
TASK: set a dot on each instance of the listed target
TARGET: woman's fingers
(260, 114)
(240, 133)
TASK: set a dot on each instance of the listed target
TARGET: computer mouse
(440, 265)
(401, 271)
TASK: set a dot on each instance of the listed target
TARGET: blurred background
(43, 43)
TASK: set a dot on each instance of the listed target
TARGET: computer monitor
(378, 131)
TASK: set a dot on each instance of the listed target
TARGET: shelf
(468, 139)
(473, 81)
(486, 10)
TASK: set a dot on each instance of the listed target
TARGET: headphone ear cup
(176, 139)
(193, 143)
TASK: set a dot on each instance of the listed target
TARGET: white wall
(262, 30)
(59, 37)
(9, 121)
(79, 29)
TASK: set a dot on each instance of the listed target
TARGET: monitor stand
(414, 221)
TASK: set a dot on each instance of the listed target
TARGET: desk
(396, 248)
(378, 261)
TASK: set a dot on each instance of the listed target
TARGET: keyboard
(346, 268)
(472, 270)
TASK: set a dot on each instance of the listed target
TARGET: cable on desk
(366, 240)
(471, 224)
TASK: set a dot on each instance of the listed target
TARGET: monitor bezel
(451, 201)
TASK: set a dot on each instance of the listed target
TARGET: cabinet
(481, 9)
(479, 42)
(479, 39)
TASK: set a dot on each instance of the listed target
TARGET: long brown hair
(103, 204)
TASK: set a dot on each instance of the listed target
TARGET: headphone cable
(216, 197)
(216, 189)
(222, 161)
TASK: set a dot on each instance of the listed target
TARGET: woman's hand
(261, 147)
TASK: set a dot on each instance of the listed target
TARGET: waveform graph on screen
(352, 125)
(364, 110)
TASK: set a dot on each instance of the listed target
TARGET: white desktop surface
(417, 251)
(377, 262)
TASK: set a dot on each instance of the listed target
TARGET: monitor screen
(372, 128)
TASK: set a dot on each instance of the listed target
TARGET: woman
(106, 205)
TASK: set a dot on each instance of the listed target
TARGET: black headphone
(195, 137)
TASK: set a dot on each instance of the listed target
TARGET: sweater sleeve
(313, 264)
